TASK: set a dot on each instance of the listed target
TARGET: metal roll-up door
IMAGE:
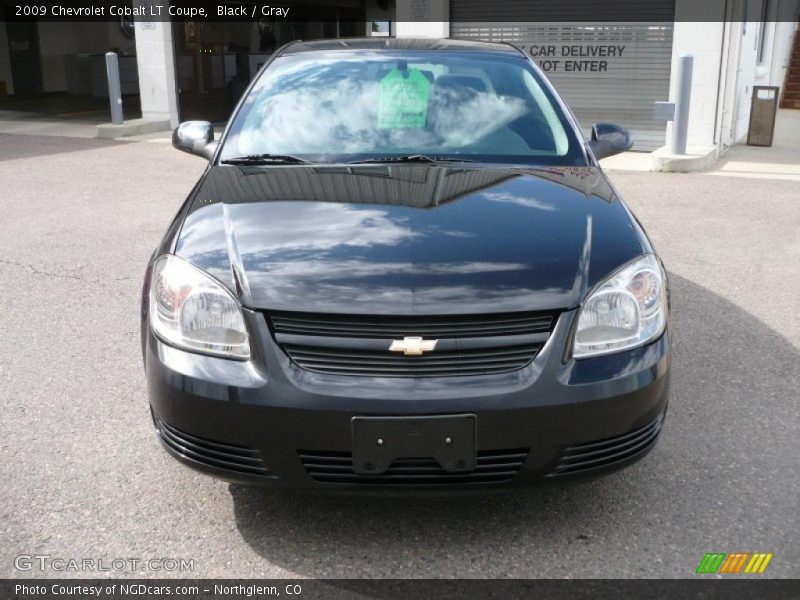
(606, 71)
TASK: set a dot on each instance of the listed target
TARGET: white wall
(781, 51)
(155, 58)
(5, 59)
(704, 42)
(763, 75)
(416, 29)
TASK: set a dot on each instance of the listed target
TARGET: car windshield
(352, 106)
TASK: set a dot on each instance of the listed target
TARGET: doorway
(23, 48)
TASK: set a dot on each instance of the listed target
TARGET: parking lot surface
(83, 475)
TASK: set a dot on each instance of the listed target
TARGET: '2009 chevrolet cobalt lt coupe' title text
(403, 269)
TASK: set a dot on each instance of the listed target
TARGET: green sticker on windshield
(404, 99)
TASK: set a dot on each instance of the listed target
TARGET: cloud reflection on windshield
(342, 118)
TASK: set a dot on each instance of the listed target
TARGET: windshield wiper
(267, 159)
(411, 158)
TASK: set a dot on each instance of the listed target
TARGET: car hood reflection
(406, 239)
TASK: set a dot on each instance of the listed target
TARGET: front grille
(607, 452)
(359, 345)
(435, 327)
(496, 466)
(230, 457)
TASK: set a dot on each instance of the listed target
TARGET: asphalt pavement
(84, 477)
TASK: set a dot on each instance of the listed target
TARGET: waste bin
(763, 109)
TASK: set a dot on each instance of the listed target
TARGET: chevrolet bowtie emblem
(413, 346)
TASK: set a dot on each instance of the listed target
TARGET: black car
(403, 269)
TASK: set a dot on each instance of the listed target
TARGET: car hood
(407, 239)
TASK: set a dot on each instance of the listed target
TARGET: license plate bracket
(379, 441)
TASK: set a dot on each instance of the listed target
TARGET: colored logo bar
(734, 563)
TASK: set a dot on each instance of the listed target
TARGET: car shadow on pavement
(726, 450)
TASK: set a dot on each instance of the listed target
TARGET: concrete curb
(133, 127)
(695, 159)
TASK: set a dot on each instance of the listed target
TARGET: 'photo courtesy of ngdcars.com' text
(154, 589)
(374, 298)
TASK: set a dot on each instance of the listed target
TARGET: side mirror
(195, 137)
(609, 139)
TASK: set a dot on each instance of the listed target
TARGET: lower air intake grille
(437, 364)
(607, 452)
(496, 466)
(229, 457)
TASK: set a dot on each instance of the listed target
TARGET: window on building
(380, 28)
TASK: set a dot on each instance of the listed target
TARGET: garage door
(606, 71)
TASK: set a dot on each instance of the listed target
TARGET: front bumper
(268, 422)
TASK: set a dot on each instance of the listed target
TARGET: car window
(346, 106)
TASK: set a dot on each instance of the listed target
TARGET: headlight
(627, 310)
(190, 310)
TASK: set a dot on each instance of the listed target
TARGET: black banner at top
(454, 11)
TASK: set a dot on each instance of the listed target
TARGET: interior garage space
(215, 61)
(197, 69)
(57, 69)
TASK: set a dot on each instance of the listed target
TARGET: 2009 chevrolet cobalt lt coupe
(403, 269)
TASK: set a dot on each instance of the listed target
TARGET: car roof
(390, 43)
